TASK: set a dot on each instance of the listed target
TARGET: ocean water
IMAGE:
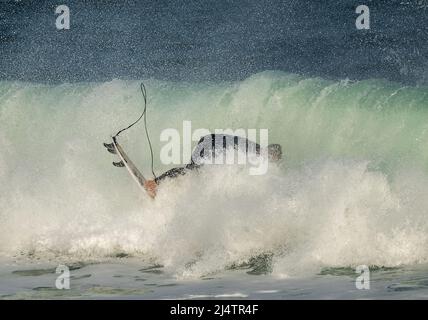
(350, 191)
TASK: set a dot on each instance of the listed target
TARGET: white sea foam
(351, 189)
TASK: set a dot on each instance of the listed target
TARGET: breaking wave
(351, 189)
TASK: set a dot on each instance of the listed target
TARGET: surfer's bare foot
(151, 186)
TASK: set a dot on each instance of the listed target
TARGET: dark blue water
(212, 40)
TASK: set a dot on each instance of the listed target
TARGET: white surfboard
(126, 162)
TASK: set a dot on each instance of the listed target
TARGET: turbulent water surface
(351, 189)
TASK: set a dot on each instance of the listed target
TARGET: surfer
(211, 146)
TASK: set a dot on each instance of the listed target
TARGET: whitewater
(351, 190)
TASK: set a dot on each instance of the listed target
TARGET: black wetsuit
(211, 145)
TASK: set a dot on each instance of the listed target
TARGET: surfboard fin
(112, 151)
(119, 164)
(110, 147)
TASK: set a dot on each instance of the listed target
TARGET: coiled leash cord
(143, 114)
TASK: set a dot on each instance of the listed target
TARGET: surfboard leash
(143, 114)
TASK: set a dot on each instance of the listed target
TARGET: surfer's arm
(151, 185)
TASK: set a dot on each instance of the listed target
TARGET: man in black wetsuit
(212, 146)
